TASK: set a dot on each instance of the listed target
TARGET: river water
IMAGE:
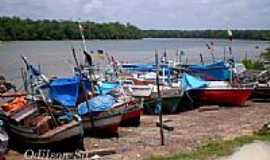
(55, 57)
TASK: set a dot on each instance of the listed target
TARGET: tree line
(15, 28)
(237, 34)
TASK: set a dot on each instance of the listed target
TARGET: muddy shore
(191, 129)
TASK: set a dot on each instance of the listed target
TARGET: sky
(149, 14)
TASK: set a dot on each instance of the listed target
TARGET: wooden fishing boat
(128, 106)
(125, 111)
(106, 122)
(261, 92)
(214, 92)
(32, 126)
(171, 97)
(221, 96)
(131, 110)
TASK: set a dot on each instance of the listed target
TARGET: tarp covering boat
(189, 82)
(145, 68)
(66, 91)
(106, 87)
(97, 104)
(219, 71)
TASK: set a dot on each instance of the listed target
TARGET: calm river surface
(55, 57)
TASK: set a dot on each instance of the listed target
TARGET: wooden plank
(27, 111)
(208, 108)
(165, 126)
(6, 95)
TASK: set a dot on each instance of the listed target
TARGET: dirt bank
(192, 128)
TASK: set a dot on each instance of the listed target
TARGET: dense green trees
(26, 29)
(14, 28)
(237, 34)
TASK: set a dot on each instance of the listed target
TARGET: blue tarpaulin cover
(217, 71)
(97, 104)
(146, 68)
(105, 87)
(66, 91)
(189, 82)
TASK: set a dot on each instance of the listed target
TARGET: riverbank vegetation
(15, 28)
(27, 29)
(216, 148)
(259, 63)
(237, 34)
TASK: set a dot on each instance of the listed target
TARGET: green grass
(215, 148)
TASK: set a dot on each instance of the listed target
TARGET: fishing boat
(262, 87)
(218, 71)
(33, 124)
(129, 107)
(97, 112)
(171, 97)
(261, 92)
(214, 92)
(143, 86)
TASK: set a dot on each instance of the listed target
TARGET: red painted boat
(221, 96)
(132, 113)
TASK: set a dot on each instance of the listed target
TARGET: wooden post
(159, 102)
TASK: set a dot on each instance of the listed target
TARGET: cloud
(148, 14)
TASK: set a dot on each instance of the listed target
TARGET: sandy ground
(192, 128)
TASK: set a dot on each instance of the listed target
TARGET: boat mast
(159, 101)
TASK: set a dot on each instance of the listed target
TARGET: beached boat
(171, 97)
(221, 96)
(218, 71)
(33, 125)
(129, 106)
(214, 93)
(261, 92)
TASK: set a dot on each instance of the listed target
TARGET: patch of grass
(215, 148)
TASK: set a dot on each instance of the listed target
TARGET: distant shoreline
(4, 41)
(15, 28)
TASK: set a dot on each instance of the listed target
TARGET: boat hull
(56, 139)
(261, 93)
(106, 122)
(223, 96)
(170, 105)
(131, 114)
